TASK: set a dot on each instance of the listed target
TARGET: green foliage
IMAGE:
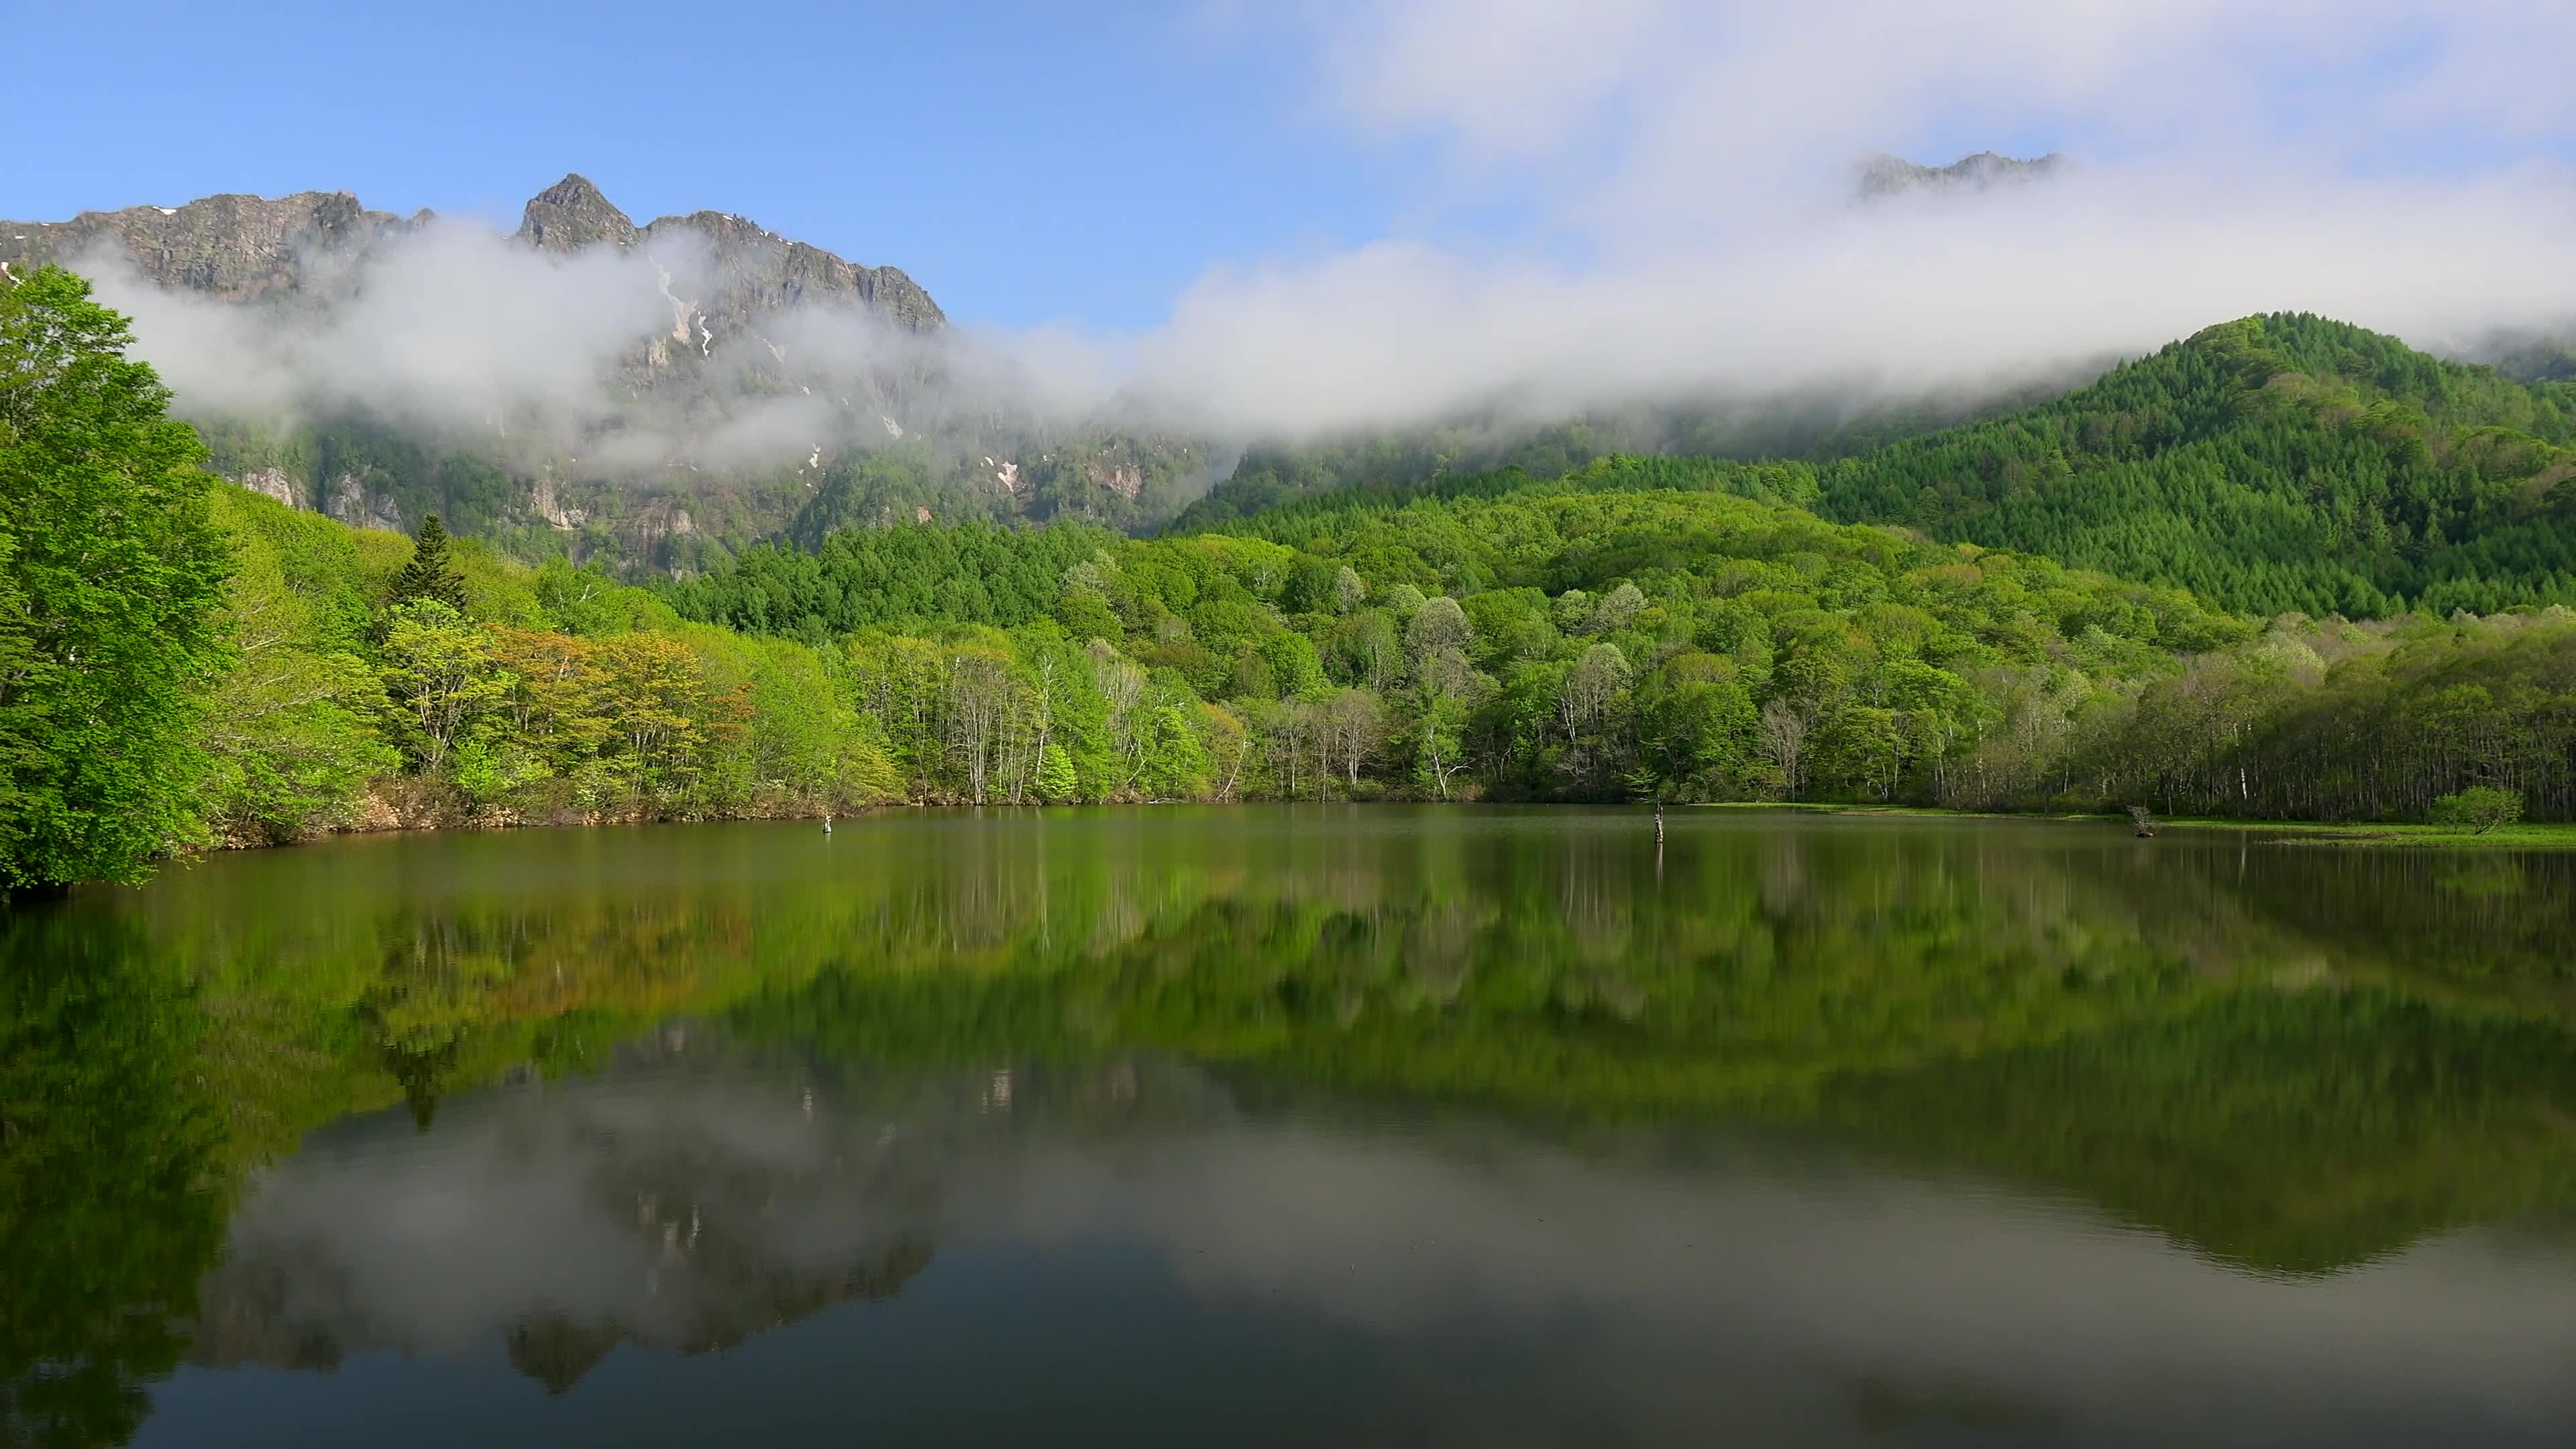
(1440, 460)
(1545, 642)
(1654, 627)
(586, 601)
(1176, 763)
(111, 577)
(2479, 809)
(2337, 721)
(1056, 781)
(2280, 463)
(440, 679)
(907, 574)
(112, 1201)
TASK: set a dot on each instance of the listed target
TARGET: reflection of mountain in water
(1490, 1283)
(1846, 1127)
(683, 1201)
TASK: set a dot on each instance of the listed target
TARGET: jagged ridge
(238, 248)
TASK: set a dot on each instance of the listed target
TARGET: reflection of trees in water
(2110, 1019)
(1536, 962)
(1438, 949)
(2294, 1131)
(1760, 960)
(422, 1073)
(2458, 916)
(2100, 1016)
(112, 1199)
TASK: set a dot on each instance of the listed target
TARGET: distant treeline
(1642, 629)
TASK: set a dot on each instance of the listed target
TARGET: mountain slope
(2273, 463)
(707, 382)
(756, 270)
(1815, 426)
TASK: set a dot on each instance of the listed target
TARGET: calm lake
(1296, 1125)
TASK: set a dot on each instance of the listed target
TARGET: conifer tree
(430, 574)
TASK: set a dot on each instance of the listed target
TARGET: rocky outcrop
(274, 483)
(759, 272)
(234, 247)
(352, 499)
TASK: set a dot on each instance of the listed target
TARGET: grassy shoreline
(2526, 836)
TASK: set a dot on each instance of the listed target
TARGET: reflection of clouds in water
(1885, 1280)
(683, 1212)
(1518, 1290)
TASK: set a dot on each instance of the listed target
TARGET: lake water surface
(1296, 1125)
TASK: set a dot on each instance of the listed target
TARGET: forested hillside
(2271, 464)
(1814, 427)
(2274, 464)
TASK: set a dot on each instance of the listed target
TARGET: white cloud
(1694, 158)
(467, 337)
(1944, 292)
(448, 328)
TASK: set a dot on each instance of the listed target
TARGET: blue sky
(1029, 163)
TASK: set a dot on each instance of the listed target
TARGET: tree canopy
(111, 573)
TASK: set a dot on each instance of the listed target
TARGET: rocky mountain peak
(1879, 174)
(241, 247)
(572, 214)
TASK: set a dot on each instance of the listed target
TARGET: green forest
(187, 663)
(2271, 464)
(1644, 628)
